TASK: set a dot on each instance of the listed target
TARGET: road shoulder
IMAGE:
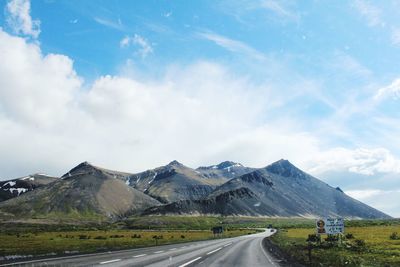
(278, 255)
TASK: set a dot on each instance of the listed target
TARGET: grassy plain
(368, 245)
(206, 222)
(38, 237)
(81, 241)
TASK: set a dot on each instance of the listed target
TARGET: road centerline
(190, 262)
(215, 250)
(110, 261)
(141, 255)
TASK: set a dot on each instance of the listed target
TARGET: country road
(237, 251)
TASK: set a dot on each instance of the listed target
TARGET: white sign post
(330, 226)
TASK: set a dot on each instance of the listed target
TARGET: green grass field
(206, 222)
(370, 245)
(80, 241)
(36, 238)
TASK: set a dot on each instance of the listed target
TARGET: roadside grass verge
(373, 245)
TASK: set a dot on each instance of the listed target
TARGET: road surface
(237, 251)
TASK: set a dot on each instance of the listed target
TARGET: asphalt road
(237, 251)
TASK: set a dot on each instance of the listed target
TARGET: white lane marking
(228, 244)
(66, 257)
(215, 250)
(189, 262)
(161, 251)
(183, 247)
(105, 262)
(265, 254)
(141, 255)
(172, 249)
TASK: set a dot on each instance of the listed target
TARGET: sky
(132, 85)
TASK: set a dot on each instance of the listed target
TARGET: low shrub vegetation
(86, 241)
(374, 245)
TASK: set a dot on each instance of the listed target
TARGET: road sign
(330, 226)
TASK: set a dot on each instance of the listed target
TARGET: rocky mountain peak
(228, 164)
(84, 167)
(284, 168)
(175, 163)
(222, 166)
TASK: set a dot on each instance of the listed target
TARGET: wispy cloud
(392, 90)
(345, 62)
(365, 161)
(370, 12)
(278, 8)
(19, 18)
(167, 14)
(396, 36)
(242, 10)
(144, 47)
(232, 45)
(110, 24)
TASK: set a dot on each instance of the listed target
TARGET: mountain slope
(280, 189)
(225, 170)
(87, 191)
(15, 187)
(173, 182)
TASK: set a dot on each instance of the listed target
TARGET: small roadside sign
(330, 226)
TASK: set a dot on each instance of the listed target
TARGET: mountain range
(229, 188)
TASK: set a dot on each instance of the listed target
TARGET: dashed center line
(141, 255)
(215, 250)
(228, 244)
(172, 249)
(105, 262)
(161, 251)
(190, 262)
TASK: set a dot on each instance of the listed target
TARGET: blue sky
(134, 84)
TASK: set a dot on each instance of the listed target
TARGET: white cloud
(392, 90)
(351, 65)
(110, 24)
(125, 42)
(362, 161)
(384, 200)
(364, 194)
(144, 47)
(271, 10)
(49, 121)
(396, 37)
(232, 45)
(370, 12)
(167, 14)
(278, 8)
(19, 18)
(34, 88)
(199, 114)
